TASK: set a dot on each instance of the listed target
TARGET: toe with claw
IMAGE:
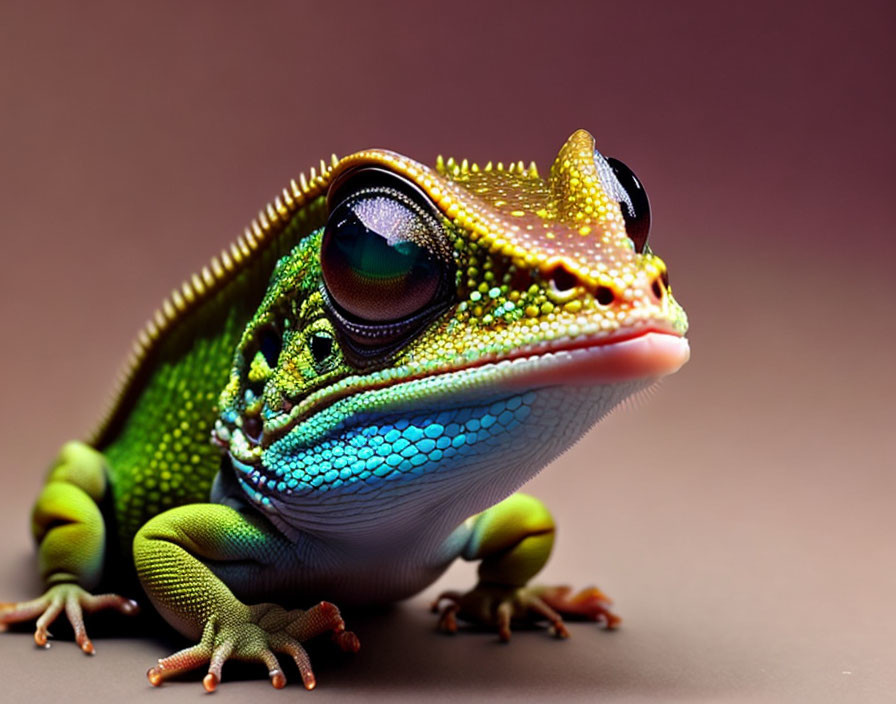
(68, 598)
(590, 604)
(498, 606)
(269, 629)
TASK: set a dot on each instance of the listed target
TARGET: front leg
(514, 540)
(173, 553)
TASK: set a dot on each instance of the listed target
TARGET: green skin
(212, 556)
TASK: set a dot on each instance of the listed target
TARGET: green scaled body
(346, 401)
(157, 440)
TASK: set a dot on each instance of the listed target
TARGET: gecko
(349, 398)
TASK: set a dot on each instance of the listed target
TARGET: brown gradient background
(743, 517)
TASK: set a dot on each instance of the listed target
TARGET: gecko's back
(156, 437)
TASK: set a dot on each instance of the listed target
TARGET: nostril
(657, 288)
(563, 279)
(604, 295)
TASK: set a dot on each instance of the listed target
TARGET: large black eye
(636, 208)
(372, 267)
(385, 261)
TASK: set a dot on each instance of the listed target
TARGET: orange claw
(210, 682)
(278, 679)
(154, 675)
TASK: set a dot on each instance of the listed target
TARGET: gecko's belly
(351, 579)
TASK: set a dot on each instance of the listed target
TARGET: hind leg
(69, 529)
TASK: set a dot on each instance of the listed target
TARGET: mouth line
(651, 351)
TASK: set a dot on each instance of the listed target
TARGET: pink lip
(648, 356)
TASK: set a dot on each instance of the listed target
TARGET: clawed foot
(498, 605)
(64, 597)
(269, 629)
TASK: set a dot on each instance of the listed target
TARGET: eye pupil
(635, 212)
(372, 256)
(376, 257)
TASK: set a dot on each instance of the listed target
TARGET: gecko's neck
(490, 450)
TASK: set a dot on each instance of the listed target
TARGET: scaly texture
(346, 400)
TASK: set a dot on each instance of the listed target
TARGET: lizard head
(443, 314)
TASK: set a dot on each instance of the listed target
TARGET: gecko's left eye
(635, 208)
(386, 263)
(623, 186)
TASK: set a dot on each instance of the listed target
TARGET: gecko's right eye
(385, 261)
